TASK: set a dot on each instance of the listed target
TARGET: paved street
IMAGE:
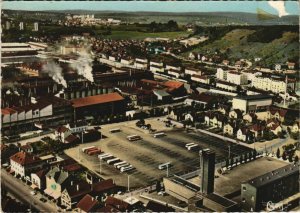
(22, 191)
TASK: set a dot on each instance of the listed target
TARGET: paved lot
(146, 154)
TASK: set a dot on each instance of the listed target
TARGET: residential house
(243, 134)
(177, 114)
(295, 127)
(87, 204)
(73, 193)
(23, 163)
(56, 182)
(225, 62)
(236, 114)
(38, 179)
(64, 135)
(215, 119)
(276, 113)
(291, 65)
(276, 129)
(118, 204)
(103, 188)
(229, 129)
(250, 117)
(27, 148)
(257, 129)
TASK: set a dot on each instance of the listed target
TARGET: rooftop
(274, 175)
(254, 97)
(97, 99)
(25, 158)
(87, 203)
(220, 200)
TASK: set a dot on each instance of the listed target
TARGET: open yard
(146, 154)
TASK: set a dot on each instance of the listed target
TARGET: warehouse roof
(96, 99)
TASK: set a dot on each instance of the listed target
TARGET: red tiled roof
(41, 173)
(72, 167)
(71, 139)
(107, 208)
(281, 112)
(173, 84)
(87, 203)
(103, 186)
(97, 99)
(7, 111)
(25, 158)
(62, 129)
(117, 203)
(202, 97)
(274, 127)
(78, 189)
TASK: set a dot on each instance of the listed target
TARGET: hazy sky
(292, 7)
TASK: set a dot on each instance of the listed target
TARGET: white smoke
(83, 65)
(55, 72)
(279, 6)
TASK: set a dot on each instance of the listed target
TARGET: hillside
(254, 43)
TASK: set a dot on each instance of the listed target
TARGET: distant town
(109, 113)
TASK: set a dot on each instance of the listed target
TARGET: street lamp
(128, 184)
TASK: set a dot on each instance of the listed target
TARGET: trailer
(128, 168)
(90, 150)
(111, 161)
(107, 157)
(103, 156)
(85, 148)
(123, 165)
(119, 163)
(189, 144)
(94, 152)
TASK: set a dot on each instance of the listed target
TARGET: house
(276, 113)
(87, 204)
(56, 182)
(176, 73)
(257, 129)
(38, 179)
(291, 65)
(194, 116)
(224, 109)
(243, 134)
(193, 56)
(222, 74)
(295, 127)
(276, 129)
(103, 187)
(73, 193)
(229, 129)
(177, 114)
(116, 203)
(215, 119)
(250, 117)
(27, 148)
(23, 163)
(61, 133)
(236, 114)
(239, 64)
(225, 62)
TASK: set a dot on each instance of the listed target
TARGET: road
(21, 191)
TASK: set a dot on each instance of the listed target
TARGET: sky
(291, 7)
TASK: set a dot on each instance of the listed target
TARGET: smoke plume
(83, 66)
(55, 72)
(279, 6)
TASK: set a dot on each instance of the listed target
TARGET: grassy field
(143, 35)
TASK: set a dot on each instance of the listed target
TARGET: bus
(189, 144)
(133, 137)
(111, 161)
(164, 166)
(115, 130)
(119, 163)
(127, 168)
(159, 134)
(193, 147)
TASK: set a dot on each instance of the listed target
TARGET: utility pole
(168, 170)
(128, 183)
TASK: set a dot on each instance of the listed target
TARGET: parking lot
(148, 153)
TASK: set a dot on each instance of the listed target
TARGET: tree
(278, 153)
(296, 159)
(284, 156)
(290, 158)
(158, 186)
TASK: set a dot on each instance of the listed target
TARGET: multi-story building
(252, 102)
(271, 187)
(273, 84)
(222, 74)
(23, 163)
(237, 78)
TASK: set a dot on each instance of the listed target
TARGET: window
(244, 188)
